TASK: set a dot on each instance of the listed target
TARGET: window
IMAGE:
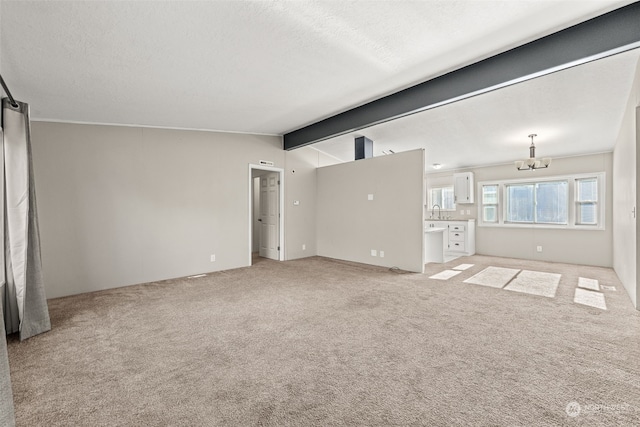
(587, 201)
(519, 199)
(544, 202)
(552, 202)
(490, 203)
(537, 203)
(442, 197)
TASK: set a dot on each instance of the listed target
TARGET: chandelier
(532, 163)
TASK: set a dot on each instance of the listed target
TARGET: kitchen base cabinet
(459, 236)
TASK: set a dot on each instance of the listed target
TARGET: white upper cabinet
(463, 187)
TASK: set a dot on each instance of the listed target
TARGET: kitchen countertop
(434, 230)
(449, 219)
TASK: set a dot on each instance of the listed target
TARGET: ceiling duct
(364, 148)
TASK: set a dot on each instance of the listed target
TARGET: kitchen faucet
(433, 207)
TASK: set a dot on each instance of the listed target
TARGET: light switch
(370, 197)
(468, 212)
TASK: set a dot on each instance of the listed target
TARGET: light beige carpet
(445, 275)
(590, 298)
(535, 283)
(495, 277)
(586, 283)
(463, 267)
(318, 342)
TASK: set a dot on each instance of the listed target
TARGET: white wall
(625, 253)
(350, 225)
(125, 205)
(590, 247)
(300, 175)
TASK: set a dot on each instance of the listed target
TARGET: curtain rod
(6, 90)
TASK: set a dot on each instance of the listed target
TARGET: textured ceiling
(575, 111)
(252, 66)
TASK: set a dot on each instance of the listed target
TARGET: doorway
(266, 206)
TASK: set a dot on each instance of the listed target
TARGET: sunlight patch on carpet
(535, 283)
(495, 277)
(445, 275)
(590, 298)
(462, 267)
(588, 284)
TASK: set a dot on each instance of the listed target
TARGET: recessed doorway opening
(266, 208)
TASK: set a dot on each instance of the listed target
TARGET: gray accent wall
(586, 247)
(125, 205)
(349, 225)
(625, 195)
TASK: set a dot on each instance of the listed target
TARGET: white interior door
(270, 216)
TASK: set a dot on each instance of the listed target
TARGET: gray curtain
(23, 305)
(24, 300)
(7, 417)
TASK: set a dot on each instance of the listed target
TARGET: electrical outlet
(374, 252)
(381, 254)
(213, 257)
(369, 196)
(468, 211)
(304, 247)
(296, 202)
(539, 248)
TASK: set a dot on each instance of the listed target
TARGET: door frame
(280, 172)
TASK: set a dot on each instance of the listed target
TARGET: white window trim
(481, 205)
(440, 187)
(572, 202)
(585, 202)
